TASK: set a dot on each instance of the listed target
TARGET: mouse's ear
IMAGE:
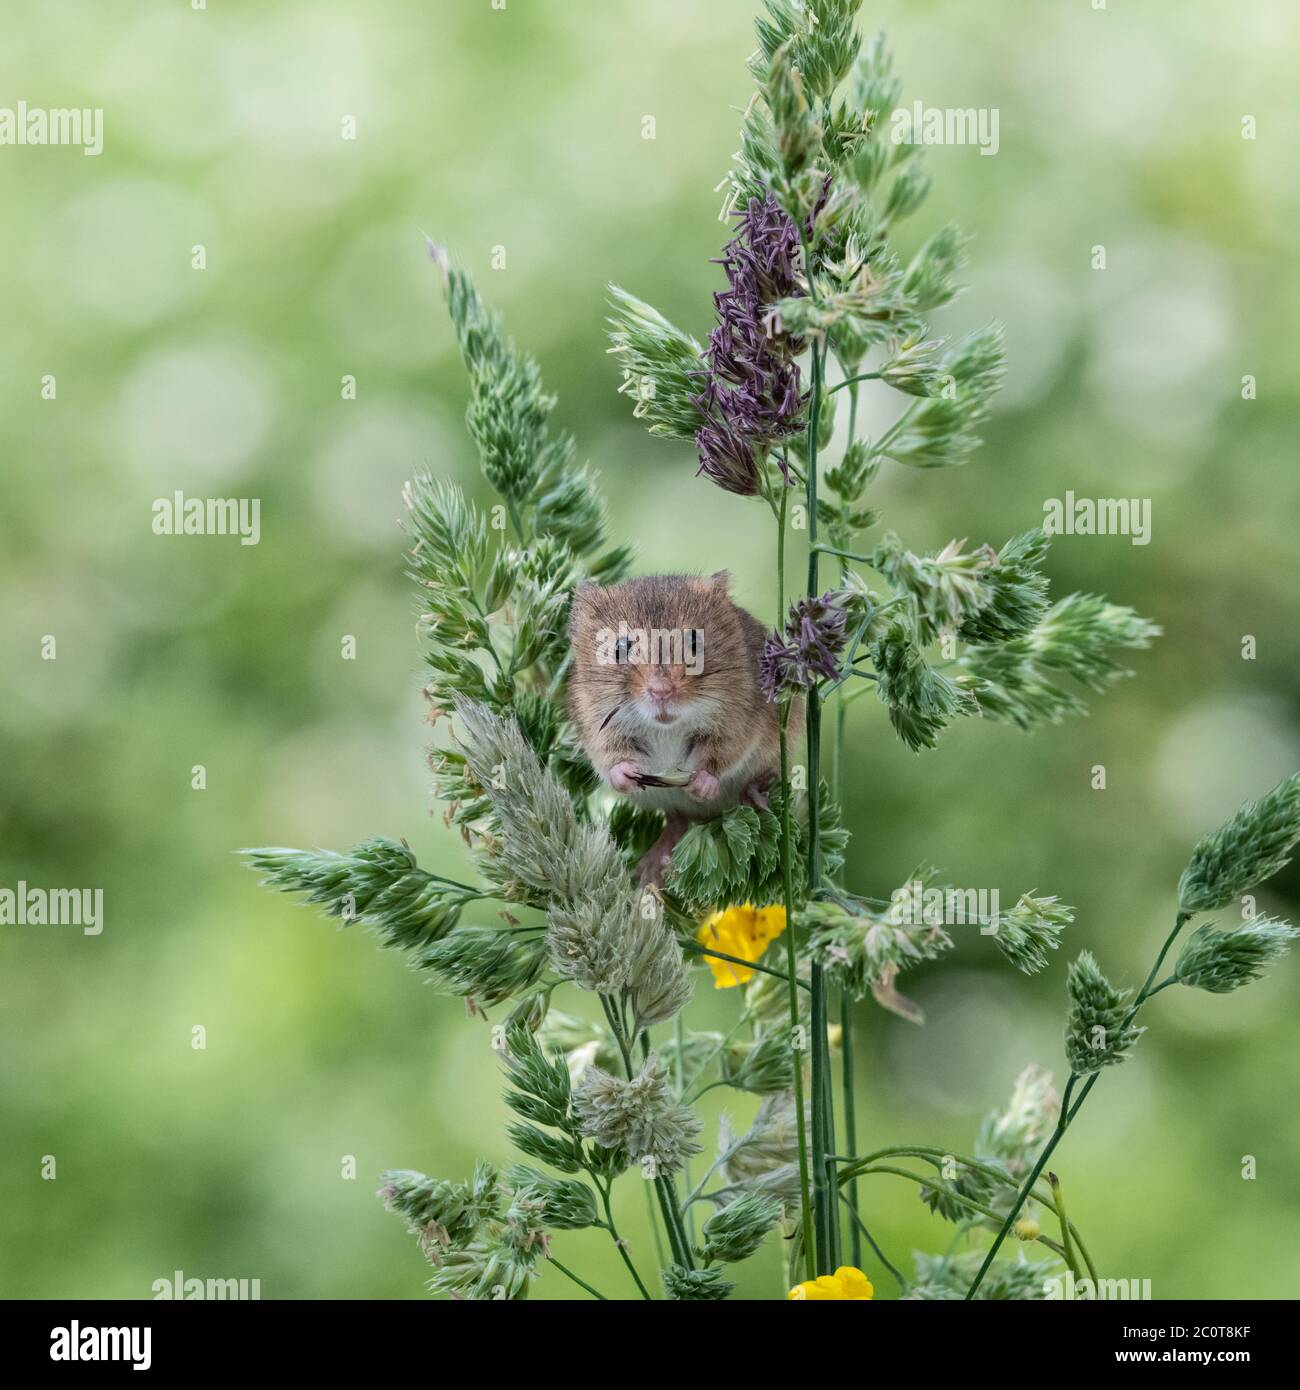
(582, 596)
(720, 582)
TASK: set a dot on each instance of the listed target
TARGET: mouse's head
(657, 649)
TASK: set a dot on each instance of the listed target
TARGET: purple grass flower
(807, 651)
(751, 396)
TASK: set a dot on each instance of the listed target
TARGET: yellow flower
(1027, 1228)
(744, 932)
(845, 1285)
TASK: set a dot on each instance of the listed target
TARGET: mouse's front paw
(625, 777)
(703, 786)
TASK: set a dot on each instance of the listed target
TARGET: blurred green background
(521, 128)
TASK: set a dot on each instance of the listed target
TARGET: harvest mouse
(664, 693)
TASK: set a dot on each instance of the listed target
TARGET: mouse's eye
(621, 649)
(691, 643)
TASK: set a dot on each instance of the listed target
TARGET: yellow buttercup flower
(744, 932)
(845, 1285)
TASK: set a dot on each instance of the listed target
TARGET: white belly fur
(667, 758)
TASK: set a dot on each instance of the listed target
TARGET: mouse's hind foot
(653, 868)
(755, 792)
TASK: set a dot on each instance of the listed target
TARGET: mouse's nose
(659, 687)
